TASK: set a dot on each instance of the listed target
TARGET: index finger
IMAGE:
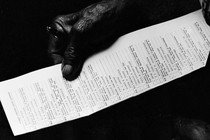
(55, 49)
(57, 42)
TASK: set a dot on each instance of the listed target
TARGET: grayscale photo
(104, 70)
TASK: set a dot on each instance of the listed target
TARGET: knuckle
(79, 27)
(59, 18)
(57, 26)
(71, 17)
(83, 25)
(64, 23)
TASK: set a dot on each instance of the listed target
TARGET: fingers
(71, 62)
(59, 34)
(77, 32)
(67, 21)
(205, 4)
(74, 54)
(54, 49)
(65, 41)
(88, 29)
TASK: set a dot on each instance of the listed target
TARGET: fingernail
(66, 70)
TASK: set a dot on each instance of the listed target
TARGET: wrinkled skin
(73, 36)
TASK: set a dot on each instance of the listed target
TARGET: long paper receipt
(135, 63)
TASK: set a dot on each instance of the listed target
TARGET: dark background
(23, 44)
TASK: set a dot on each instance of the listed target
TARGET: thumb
(72, 62)
(73, 55)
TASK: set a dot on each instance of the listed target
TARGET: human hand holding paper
(136, 63)
(74, 35)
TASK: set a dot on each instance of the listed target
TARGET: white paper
(135, 63)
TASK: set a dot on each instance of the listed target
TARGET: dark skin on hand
(75, 36)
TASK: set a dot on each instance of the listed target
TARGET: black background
(23, 44)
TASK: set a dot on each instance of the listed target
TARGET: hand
(189, 129)
(75, 36)
(205, 5)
